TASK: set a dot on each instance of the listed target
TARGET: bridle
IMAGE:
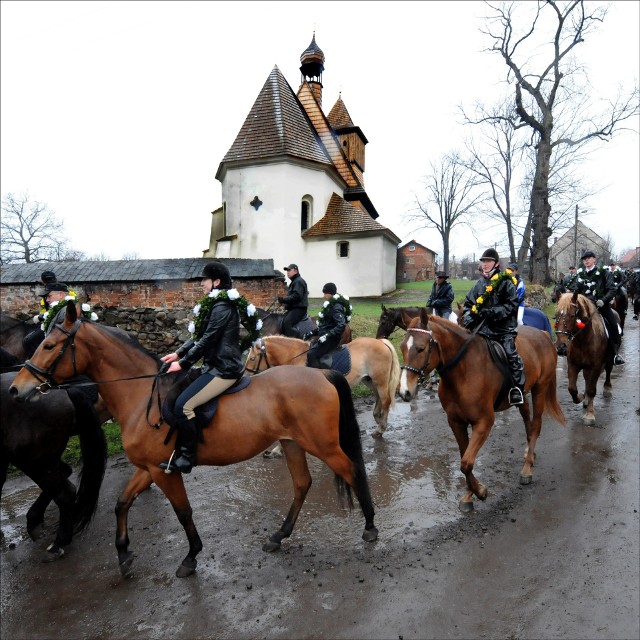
(264, 356)
(421, 373)
(566, 318)
(45, 378)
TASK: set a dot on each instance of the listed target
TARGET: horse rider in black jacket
(599, 285)
(441, 296)
(497, 315)
(330, 328)
(295, 302)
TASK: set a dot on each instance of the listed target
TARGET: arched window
(306, 213)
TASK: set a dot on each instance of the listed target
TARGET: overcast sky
(117, 114)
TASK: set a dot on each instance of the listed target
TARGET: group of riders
(491, 309)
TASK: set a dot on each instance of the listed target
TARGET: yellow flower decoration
(489, 289)
(514, 281)
(474, 308)
(496, 280)
(480, 300)
(496, 276)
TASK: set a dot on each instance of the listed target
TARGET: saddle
(304, 326)
(338, 360)
(205, 412)
(499, 357)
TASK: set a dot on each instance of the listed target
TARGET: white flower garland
(247, 311)
(343, 300)
(50, 314)
(587, 281)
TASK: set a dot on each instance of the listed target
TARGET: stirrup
(515, 396)
(173, 464)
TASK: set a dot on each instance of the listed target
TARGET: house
(293, 190)
(415, 262)
(566, 250)
(631, 259)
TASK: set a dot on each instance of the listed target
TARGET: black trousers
(318, 350)
(513, 358)
(291, 319)
(612, 326)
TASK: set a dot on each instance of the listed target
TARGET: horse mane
(284, 339)
(455, 328)
(122, 336)
(586, 308)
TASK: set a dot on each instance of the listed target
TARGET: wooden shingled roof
(344, 218)
(339, 117)
(276, 125)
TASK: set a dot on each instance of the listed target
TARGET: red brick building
(415, 262)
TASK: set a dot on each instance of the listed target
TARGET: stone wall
(157, 314)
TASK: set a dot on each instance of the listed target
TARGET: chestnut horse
(308, 410)
(373, 363)
(470, 386)
(581, 336)
(391, 318)
(272, 324)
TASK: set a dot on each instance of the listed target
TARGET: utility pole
(575, 240)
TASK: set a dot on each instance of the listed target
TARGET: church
(293, 190)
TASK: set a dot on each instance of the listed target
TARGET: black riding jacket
(333, 322)
(219, 346)
(597, 284)
(441, 297)
(298, 295)
(503, 305)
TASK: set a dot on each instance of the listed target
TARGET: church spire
(311, 68)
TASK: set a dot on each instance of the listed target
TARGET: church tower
(311, 68)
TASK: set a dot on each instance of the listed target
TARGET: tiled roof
(277, 125)
(312, 52)
(339, 117)
(343, 218)
(133, 270)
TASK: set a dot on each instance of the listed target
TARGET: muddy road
(558, 558)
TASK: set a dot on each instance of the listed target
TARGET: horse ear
(574, 298)
(383, 307)
(424, 316)
(72, 312)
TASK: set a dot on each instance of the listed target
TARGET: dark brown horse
(275, 406)
(12, 332)
(33, 438)
(472, 386)
(391, 319)
(581, 336)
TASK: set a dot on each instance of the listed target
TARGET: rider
(441, 295)
(520, 290)
(618, 276)
(568, 279)
(330, 328)
(296, 301)
(491, 307)
(598, 285)
(217, 341)
(31, 341)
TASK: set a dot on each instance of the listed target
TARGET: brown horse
(581, 336)
(318, 418)
(373, 363)
(391, 319)
(471, 386)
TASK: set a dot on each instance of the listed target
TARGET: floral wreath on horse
(53, 309)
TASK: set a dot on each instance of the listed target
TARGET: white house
(293, 190)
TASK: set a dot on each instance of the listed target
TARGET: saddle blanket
(339, 360)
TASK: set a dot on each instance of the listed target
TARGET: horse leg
(299, 470)
(532, 428)
(380, 412)
(140, 481)
(35, 514)
(572, 376)
(590, 387)
(172, 485)
(607, 390)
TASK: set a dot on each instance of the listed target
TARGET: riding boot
(188, 437)
(516, 393)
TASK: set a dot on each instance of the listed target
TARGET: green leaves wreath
(494, 282)
(337, 297)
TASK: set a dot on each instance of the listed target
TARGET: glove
(599, 304)
(36, 319)
(280, 299)
(322, 339)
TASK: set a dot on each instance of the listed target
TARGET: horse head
(418, 353)
(387, 323)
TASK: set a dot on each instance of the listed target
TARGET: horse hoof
(525, 479)
(125, 565)
(369, 535)
(606, 393)
(465, 507)
(377, 435)
(53, 553)
(270, 546)
(589, 421)
(186, 569)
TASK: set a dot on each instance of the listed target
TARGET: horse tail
(351, 444)
(93, 446)
(394, 374)
(551, 405)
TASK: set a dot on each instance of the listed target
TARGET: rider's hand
(322, 339)
(599, 304)
(171, 357)
(36, 319)
(174, 368)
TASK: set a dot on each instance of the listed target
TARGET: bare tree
(538, 50)
(31, 232)
(451, 197)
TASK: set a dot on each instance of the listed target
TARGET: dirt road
(555, 559)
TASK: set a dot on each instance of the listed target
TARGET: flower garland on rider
(589, 281)
(343, 300)
(52, 311)
(494, 282)
(248, 314)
